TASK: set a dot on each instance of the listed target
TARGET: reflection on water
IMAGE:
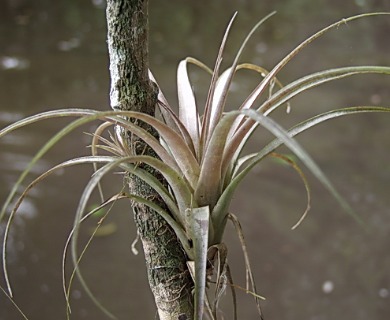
(7, 63)
(54, 55)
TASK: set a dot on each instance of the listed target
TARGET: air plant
(199, 153)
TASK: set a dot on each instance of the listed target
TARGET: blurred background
(54, 55)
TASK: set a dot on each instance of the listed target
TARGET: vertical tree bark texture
(131, 89)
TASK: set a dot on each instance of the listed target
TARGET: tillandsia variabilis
(199, 153)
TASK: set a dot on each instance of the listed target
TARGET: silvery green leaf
(198, 229)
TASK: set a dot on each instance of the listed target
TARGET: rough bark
(131, 89)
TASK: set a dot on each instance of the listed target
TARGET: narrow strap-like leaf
(249, 274)
(166, 112)
(220, 209)
(210, 95)
(219, 98)
(259, 90)
(210, 179)
(47, 146)
(198, 227)
(295, 166)
(188, 111)
(183, 156)
(313, 80)
(267, 80)
(263, 72)
(95, 179)
(181, 128)
(13, 303)
(243, 133)
(247, 162)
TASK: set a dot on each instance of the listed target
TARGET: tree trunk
(131, 89)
